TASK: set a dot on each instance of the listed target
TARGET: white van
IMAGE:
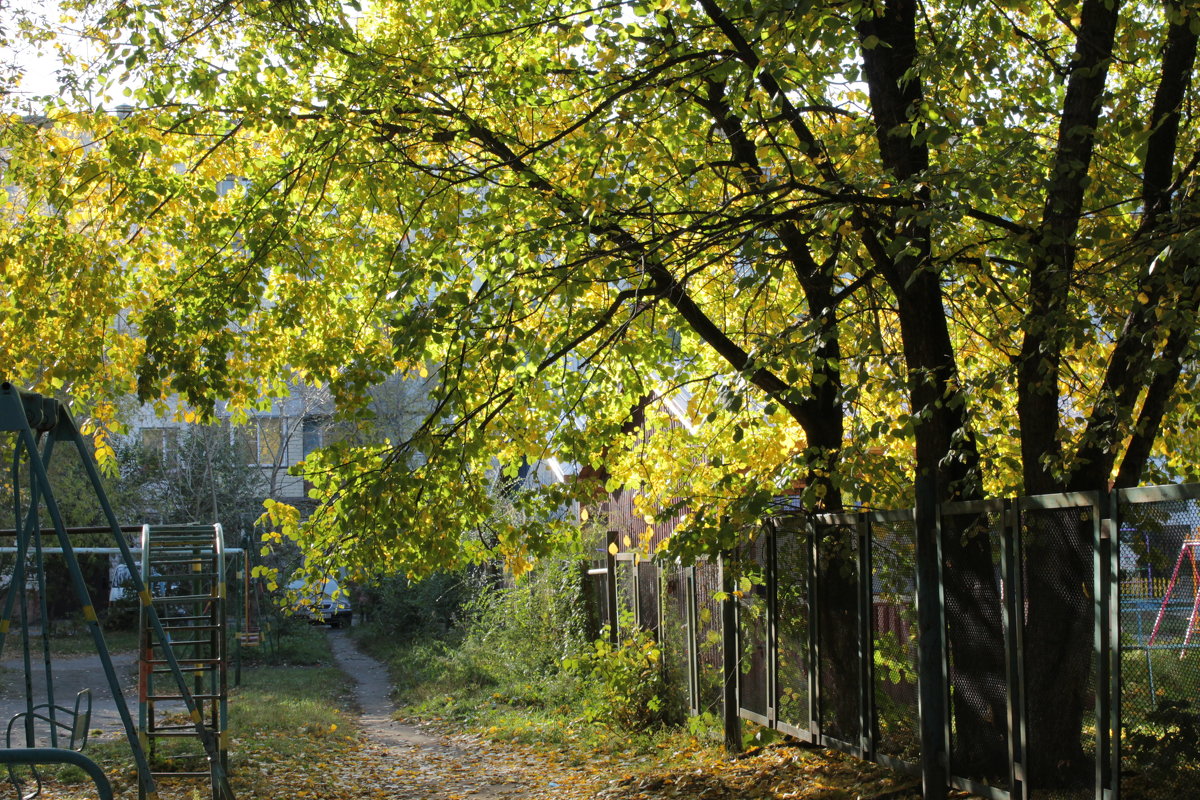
(321, 604)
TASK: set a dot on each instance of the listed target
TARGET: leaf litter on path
(392, 759)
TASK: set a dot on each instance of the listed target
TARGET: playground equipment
(38, 424)
(184, 568)
(250, 632)
(1188, 550)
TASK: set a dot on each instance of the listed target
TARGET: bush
(1169, 738)
(405, 609)
(122, 613)
(525, 630)
(470, 635)
(628, 686)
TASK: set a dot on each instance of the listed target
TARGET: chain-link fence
(1159, 571)
(894, 635)
(1070, 638)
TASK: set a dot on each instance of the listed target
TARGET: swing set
(1188, 551)
(47, 733)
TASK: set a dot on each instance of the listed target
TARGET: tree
(202, 477)
(958, 232)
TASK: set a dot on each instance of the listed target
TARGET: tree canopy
(857, 241)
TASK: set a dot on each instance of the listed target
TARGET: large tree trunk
(1058, 560)
(946, 451)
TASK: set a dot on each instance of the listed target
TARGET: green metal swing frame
(38, 424)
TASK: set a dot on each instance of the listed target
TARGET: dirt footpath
(427, 765)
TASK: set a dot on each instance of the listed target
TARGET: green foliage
(401, 607)
(528, 628)
(504, 642)
(893, 659)
(868, 258)
(1169, 738)
(627, 682)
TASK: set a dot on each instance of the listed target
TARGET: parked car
(326, 604)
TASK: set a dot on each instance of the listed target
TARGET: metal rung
(184, 598)
(157, 697)
(182, 661)
(205, 774)
(179, 730)
(185, 577)
(199, 643)
(196, 628)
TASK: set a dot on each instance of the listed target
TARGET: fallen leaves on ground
(463, 766)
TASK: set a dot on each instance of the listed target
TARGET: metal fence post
(815, 698)
(1013, 610)
(1108, 655)
(610, 599)
(932, 688)
(866, 643)
(693, 640)
(1114, 622)
(772, 587)
(729, 656)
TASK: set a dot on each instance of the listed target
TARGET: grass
(435, 680)
(286, 719)
(286, 641)
(444, 682)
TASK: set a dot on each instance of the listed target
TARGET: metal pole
(1013, 611)
(1114, 652)
(729, 654)
(772, 632)
(932, 684)
(610, 564)
(43, 602)
(866, 643)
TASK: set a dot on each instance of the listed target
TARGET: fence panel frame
(1120, 498)
(871, 519)
(1102, 637)
(855, 522)
(1107, 509)
(1011, 612)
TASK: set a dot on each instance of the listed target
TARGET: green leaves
(570, 216)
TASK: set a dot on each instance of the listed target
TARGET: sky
(40, 63)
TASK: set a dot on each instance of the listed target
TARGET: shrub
(406, 609)
(526, 629)
(628, 687)
(1169, 738)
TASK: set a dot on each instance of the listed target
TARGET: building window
(161, 443)
(260, 441)
(313, 427)
(270, 440)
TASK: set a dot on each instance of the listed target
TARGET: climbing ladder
(184, 569)
(39, 423)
